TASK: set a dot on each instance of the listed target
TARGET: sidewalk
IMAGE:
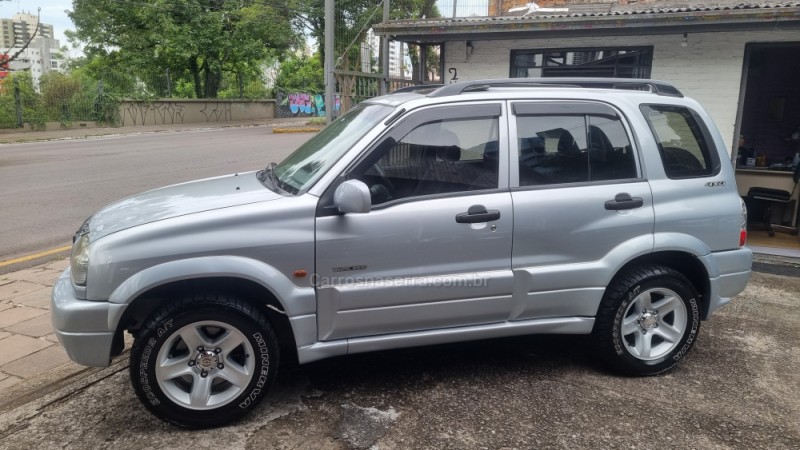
(26, 333)
(13, 136)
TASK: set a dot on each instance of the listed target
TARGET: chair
(775, 202)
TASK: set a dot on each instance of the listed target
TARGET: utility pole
(330, 80)
(385, 51)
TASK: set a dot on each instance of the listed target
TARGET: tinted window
(555, 149)
(681, 141)
(435, 158)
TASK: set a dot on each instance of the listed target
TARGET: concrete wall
(709, 69)
(170, 111)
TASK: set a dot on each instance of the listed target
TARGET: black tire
(204, 386)
(634, 339)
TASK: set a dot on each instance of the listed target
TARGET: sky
(53, 13)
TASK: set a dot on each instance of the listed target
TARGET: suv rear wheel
(647, 321)
(204, 361)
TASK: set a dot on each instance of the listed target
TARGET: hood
(179, 200)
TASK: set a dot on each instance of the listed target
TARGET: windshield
(309, 162)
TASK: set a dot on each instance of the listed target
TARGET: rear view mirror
(352, 196)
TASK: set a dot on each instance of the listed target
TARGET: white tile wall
(709, 69)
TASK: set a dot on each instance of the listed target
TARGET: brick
(38, 363)
(19, 314)
(17, 288)
(59, 266)
(36, 327)
(41, 275)
(36, 299)
(9, 381)
(17, 346)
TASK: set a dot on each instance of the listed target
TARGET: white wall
(709, 69)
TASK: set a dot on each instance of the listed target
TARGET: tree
(201, 41)
(301, 73)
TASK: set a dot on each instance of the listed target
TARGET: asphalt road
(739, 388)
(49, 188)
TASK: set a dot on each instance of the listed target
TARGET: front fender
(295, 300)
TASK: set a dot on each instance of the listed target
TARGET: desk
(773, 179)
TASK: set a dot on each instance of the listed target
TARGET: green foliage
(208, 43)
(33, 111)
(301, 73)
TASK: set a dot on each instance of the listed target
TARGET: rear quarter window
(683, 141)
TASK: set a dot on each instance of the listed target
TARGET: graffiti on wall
(133, 113)
(302, 104)
(161, 113)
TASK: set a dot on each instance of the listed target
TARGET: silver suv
(470, 211)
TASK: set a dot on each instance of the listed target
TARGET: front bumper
(82, 326)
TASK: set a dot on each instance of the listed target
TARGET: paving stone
(8, 382)
(17, 288)
(19, 314)
(38, 363)
(36, 327)
(40, 275)
(36, 299)
(59, 266)
(17, 346)
(3, 334)
(6, 305)
(52, 338)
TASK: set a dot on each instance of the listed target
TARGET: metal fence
(78, 96)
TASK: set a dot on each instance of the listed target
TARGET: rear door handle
(624, 201)
(478, 214)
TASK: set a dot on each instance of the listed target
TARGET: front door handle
(624, 201)
(478, 214)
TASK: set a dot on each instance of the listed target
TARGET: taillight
(743, 226)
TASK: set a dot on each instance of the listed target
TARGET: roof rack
(654, 86)
(417, 87)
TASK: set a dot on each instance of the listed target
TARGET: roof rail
(655, 86)
(416, 87)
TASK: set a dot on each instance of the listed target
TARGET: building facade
(42, 54)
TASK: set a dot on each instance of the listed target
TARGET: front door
(435, 251)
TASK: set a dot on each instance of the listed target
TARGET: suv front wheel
(204, 361)
(647, 321)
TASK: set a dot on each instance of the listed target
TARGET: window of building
(621, 62)
(54, 64)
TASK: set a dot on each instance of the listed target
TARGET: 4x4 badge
(715, 183)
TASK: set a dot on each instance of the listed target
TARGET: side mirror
(352, 196)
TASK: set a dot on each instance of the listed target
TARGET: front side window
(309, 162)
(681, 139)
(439, 157)
(557, 149)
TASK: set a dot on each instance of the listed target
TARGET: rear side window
(557, 149)
(682, 141)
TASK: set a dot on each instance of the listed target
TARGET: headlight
(79, 259)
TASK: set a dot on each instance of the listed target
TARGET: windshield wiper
(268, 176)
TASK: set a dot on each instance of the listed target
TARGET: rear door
(580, 205)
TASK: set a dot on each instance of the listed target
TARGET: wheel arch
(253, 281)
(683, 262)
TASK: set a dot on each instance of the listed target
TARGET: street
(737, 389)
(50, 188)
